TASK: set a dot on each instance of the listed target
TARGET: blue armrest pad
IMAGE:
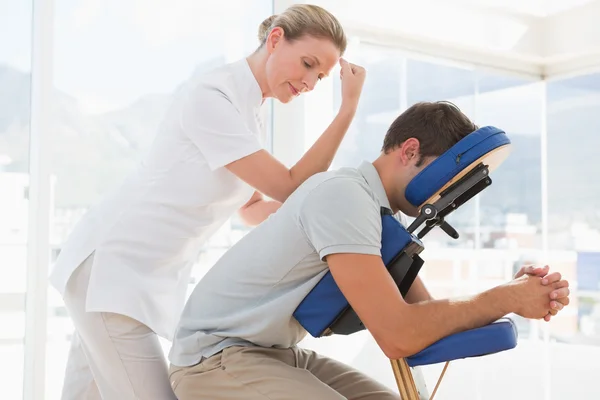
(468, 150)
(325, 302)
(493, 338)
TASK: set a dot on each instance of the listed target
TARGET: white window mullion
(38, 248)
(547, 384)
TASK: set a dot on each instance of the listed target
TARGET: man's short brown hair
(436, 125)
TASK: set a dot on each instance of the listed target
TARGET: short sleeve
(340, 216)
(402, 218)
(217, 128)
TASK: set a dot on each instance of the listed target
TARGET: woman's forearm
(257, 212)
(320, 155)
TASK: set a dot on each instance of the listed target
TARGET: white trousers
(112, 356)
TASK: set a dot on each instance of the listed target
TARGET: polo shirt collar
(369, 172)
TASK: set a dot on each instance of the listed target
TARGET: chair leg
(417, 375)
(437, 385)
(404, 380)
(408, 387)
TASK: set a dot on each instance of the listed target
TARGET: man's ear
(275, 37)
(409, 151)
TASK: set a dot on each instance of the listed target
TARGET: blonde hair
(305, 20)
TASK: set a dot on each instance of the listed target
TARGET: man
(237, 337)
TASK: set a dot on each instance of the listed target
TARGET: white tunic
(147, 234)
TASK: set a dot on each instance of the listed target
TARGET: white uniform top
(146, 235)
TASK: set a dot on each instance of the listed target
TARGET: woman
(124, 272)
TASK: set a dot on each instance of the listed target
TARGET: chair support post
(420, 384)
(404, 380)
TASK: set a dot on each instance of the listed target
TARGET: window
(15, 88)
(379, 103)
(430, 80)
(574, 228)
(116, 66)
(502, 228)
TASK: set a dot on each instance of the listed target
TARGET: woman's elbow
(246, 216)
(285, 190)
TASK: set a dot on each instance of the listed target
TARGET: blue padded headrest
(468, 150)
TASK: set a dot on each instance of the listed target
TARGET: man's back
(249, 296)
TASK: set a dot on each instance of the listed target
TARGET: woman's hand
(353, 78)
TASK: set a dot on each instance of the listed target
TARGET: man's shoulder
(341, 191)
(332, 184)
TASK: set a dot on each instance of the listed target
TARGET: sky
(15, 34)
(107, 53)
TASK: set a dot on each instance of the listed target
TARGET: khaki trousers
(112, 356)
(256, 373)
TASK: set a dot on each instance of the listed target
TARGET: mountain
(573, 143)
(14, 98)
(92, 153)
(574, 160)
(516, 184)
(89, 153)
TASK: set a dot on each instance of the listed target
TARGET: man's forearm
(436, 319)
(402, 329)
